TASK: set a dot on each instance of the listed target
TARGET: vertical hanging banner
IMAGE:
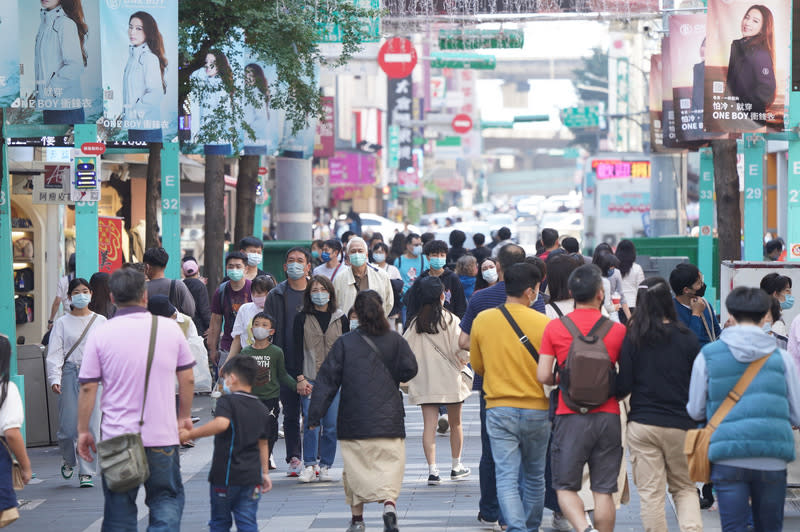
(325, 140)
(59, 45)
(747, 60)
(9, 44)
(109, 240)
(656, 115)
(670, 135)
(399, 100)
(687, 42)
(210, 124)
(261, 126)
(140, 70)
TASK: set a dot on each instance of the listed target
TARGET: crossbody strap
(436, 348)
(80, 338)
(376, 350)
(736, 393)
(709, 330)
(555, 307)
(150, 352)
(521, 335)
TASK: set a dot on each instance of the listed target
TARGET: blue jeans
(737, 487)
(241, 501)
(163, 496)
(519, 439)
(314, 443)
(68, 420)
(487, 504)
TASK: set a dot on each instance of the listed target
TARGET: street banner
(687, 36)
(325, 139)
(9, 60)
(59, 64)
(656, 125)
(399, 100)
(52, 187)
(747, 60)
(351, 168)
(210, 120)
(670, 135)
(109, 240)
(261, 125)
(139, 43)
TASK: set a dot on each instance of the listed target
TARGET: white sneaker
(325, 474)
(307, 475)
(295, 468)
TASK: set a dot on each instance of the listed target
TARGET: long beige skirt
(373, 469)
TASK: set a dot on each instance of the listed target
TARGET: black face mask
(701, 291)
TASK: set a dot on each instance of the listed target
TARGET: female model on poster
(60, 59)
(143, 83)
(256, 110)
(212, 104)
(751, 68)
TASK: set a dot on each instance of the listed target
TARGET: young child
(242, 337)
(271, 370)
(240, 464)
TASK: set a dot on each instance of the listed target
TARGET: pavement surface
(50, 503)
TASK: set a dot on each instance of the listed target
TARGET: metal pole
(294, 214)
(87, 253)
(664, 210)
(754, 151)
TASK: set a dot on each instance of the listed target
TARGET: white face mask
(489, 275)
(261, 333)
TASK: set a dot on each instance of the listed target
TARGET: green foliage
(593, 74)
(284, 33)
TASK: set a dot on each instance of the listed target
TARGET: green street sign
(418, 141)
(571, 153)
(474, 61)
(449, 142)
(371, 27)
(471, 39)
(393, 158)
(583, 116)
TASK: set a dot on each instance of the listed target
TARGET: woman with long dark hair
(255, 109)
(144, 84)
(60, 59)
(657, 356)
(751, 66)
(64, 357)
(488, 275)
(779, 287)
(559, 268)
(368, 364)
(316, 328)
(12, 416)
(212, 100)
(433, 336)
(632, 274)
(101, 295)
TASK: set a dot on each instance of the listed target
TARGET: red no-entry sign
(462, 123)
(397, 57)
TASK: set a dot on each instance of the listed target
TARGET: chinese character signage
(655, 97)
(59, 44)
(746, 65)
(351, 168)
(139, 40)
(324, 141)
(9, 60)
(52, 187)
(109, 243)
(400, 98)
(687, 45)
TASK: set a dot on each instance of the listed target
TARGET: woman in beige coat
(433, 336)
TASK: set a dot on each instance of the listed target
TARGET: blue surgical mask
(353, 325)
(325, 256)
(235, 275)
(81, 300)
(789, 303)
(315, 254)
(767, 327)
(320, 298)
(358, 259)
(226, 388)
(379, 257)
(295, 270)
(437, 263)
(417, 251)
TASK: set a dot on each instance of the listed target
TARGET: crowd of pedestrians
(577, 360)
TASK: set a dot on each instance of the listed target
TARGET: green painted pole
(171, 208)
(793, 185)
(754, 152)
(87, 254)
(705, 243)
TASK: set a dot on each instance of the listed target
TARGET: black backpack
(23, 309)
(23, 280)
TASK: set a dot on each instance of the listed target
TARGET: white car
(566, 223)
(372, 223)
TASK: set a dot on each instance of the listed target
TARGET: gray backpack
(588, 376)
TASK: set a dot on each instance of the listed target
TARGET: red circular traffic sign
(93, 148)
(462, 123)
(397, 57)
(262, 170)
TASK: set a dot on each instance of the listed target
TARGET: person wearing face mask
(242, 335)
(693, 310)
(331, 259)
(612, 284)
(252, 247)
(412, 263)
(455, 301)
(272, 372)
(361, 275)
(488, 274)
(64, 357)
(516, 419)
(779, 287)
(225, 304)
(380, 258)
(316, 252)
(283, 303)
(155, 261)
(199, 291)
(318, 326)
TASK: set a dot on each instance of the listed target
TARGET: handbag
(123, 459)
(16, 469)
(80, 338)
(697, 441)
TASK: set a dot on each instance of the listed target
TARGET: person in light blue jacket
(751, 447)
(60, 59)
(211, 116)
(256, 111)
(144, 85)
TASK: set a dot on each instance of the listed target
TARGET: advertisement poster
(52, 187)
(670, 135)
(109, 233)
(59, 45)
(139, 41)
(351, 168)
(656, 124)
(747, 60)
(261, 126)
(399, 99)
(210, 121)
(687, 44)
(9, 61)
(325, 140)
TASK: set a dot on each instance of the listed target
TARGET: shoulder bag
(80, 338)
(16, 469)
(123, 459)
(697, 440)
(467, 373)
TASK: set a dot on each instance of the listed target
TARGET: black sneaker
(460, 473)
(390, 522)
(434, 480)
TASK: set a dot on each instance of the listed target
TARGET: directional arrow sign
(397, 57)
(462, 123)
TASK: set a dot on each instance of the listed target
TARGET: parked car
(372, 223)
